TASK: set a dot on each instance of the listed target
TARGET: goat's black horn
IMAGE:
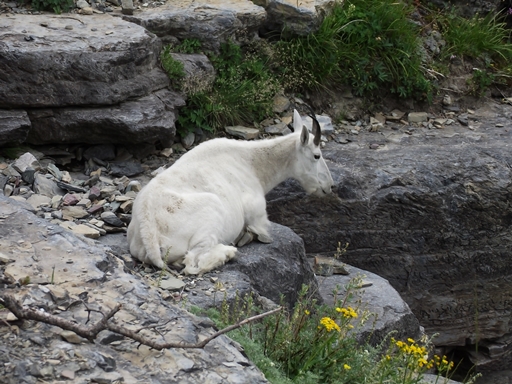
(317, 131)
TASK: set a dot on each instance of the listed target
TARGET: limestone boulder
(76, 61)
(301, 18)
(427, 210)
(210, 22)
(276, 269)
(388, 311)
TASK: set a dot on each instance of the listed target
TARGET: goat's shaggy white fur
(214, 196)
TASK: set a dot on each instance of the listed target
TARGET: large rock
(268, 270)
(62, 61)
(388, 311)
(276, 269)
(296, 17)
(211, 22)
(430, 212)
(149, 119)
(65, 273)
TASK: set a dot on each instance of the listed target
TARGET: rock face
(427, 210)
(300, 18)
(149, 119)
(97, 79)
(278, 268)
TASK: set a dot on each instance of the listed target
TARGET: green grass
(369, 45)
(482, 40)
(478, 37)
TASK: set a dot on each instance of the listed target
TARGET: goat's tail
(149, 234)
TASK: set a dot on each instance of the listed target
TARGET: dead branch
(91, 331)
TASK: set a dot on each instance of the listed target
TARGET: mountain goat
(213, 197)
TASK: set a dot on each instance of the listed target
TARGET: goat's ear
(304, 135)
(299, 127)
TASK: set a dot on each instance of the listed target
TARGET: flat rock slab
(48, 61)
(149, 119)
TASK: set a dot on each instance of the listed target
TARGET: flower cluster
(348, 312)
(329, 324)
(419, 356)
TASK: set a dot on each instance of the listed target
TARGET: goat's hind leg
(202, 259)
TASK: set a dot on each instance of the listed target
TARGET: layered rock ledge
(427, 209)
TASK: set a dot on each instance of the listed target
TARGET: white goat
(214, 195)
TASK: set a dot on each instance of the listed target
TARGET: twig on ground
(91, 331)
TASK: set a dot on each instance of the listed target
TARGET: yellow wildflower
(307, 312)
(329, 324)
(348, 312)
(347, 367)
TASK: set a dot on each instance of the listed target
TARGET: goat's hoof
(265, 239)
(245, 239)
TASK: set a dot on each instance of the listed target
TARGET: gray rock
(278, 129)
(112, 219)
(127, 7)
(80, 67)
(389, 312)
(417, 117)
(172, 284)
(211, 23)
(300, 18)
(142, 306)
(147, 120)
(14, 127)
(25, 161)
(46, 187)
(276, 269)
(199, 71)
(281, 103)
(188, 140)
(243, 132)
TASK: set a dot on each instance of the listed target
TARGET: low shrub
(57, 6)
(316, 344)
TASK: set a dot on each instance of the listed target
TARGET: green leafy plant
(480, 81)
(188, 46)
(57, 6)
(242, 92)
(174, 68)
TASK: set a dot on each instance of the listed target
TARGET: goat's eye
(317, 157)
